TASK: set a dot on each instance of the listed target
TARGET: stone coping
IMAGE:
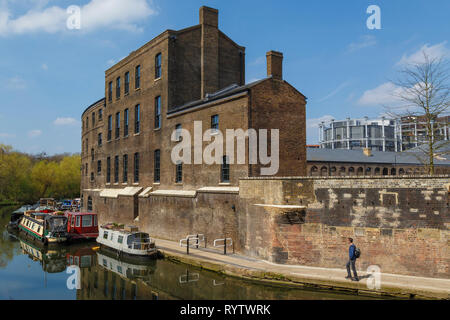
(174, 193)
(219, 190)
(442, 176)
(281, 206)
(115, 193)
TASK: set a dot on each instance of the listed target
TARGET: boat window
(86, 221)
(78, 221)
(76, 260)
(112, 236)
(105, 235)
(86, 261)
(119, 269)
(138, 238)
(95, 221)
(105, 263)
(73, 221)
(120, 239)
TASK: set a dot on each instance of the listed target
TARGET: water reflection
(105, 277)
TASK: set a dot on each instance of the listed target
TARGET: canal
(30, 271)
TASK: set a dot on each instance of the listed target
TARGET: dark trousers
(351, 263)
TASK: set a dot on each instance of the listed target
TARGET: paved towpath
(331, 278)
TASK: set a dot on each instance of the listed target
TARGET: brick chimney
(275, 64)
(209, 21)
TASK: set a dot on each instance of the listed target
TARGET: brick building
(194, 74)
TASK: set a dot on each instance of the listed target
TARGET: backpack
(357, 253)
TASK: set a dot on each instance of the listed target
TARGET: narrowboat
(82, 225)
(44, 227)
(125, 269)
(126, 241)
(83, 257)
(46, 205)
(52, 261)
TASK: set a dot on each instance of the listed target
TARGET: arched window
(368, 171)
(333, 171)
(351, 171)
(324, 171)
(377, 171)
(401, 172)
(342, 171)
(385, 171)
(360, 171)
(314, 171)
(409, 171)
(416, 171)
(393, 172)
(89, 204)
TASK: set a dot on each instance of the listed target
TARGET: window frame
(158, 112)
(157, 166)
(179, 172)
(136, 167)
(158, 66)
(116, 169)
(125, 168)
(127, 82)
(137, 77)
(137, 119)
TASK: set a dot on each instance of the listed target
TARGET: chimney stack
(275, 65)
(209, 21)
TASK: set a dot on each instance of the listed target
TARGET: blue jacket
(351, 252)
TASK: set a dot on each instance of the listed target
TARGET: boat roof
(121, 230)
(81, 213)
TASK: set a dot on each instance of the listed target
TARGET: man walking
(351, 262)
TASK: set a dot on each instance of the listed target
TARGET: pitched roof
(357, 156)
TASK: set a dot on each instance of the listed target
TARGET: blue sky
(50, 74)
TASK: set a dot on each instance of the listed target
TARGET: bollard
(198, 239)
(225, 247)
(205, 242)
(187, 247)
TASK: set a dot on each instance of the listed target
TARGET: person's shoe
(355, 279)
(348, 277)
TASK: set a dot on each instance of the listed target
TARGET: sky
(50, 73)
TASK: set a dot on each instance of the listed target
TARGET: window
(92, 176)
(77, 223)
(108, 170)
(225, 171)
(158, 66)
(138, 77)
(117, 125)
(89, 207)
(116, 169)
(105, 236)
(136, 167)
(110, 91)
(125, 168)
(137, 119)
(109, 128)
(99, 167)
(87, 122)
(157, 166)
(215, 123)
(158, 112)
(93, 119)
(120, 239)
(100, 139)
(179, 172)
(118, 88)
(92, 154)
(125, 123)
(86, 221)
(95, 221)
(127, 83)
(178, 132)
(100, 114)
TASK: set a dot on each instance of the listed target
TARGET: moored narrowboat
(82, 225)
(127, 241)
(44, 227)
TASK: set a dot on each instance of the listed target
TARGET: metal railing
(226, 242)
(192, 241)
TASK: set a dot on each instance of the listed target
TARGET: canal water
(30, 271)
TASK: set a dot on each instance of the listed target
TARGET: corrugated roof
(357, 156)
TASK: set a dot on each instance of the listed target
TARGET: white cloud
(15, 83)
(34, 133)
(385, 94)
(312, 128)
(65, 121)
(44, 67)
(97, 14)
(258, 61)
(434, 52)
(365, 42)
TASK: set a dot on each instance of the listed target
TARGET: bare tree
(424, 88)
